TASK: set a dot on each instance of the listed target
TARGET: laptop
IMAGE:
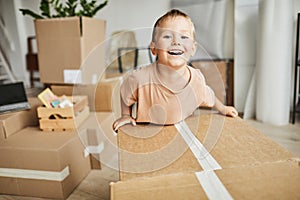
(13, 97)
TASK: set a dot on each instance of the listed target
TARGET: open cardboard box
(268, 181)
(12, 122)
(218, 75)
(103, 96)
(152, 150)
(42, 164)
(70, 49)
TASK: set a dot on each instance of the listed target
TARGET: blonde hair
(171, 14)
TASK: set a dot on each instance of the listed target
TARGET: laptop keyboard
(16, 106)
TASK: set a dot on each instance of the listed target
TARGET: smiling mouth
(175, 52)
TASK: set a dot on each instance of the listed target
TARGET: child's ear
(152, 48)
(194, 48)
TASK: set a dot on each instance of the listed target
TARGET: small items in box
(50, 100)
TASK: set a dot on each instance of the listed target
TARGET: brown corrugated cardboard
(12, 122)
(71, 43)
(41, 152)
(219, 76)
(150, 150)
(97, 134)
(103, 97)
(268, 181)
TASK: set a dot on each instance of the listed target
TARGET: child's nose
(176, 40)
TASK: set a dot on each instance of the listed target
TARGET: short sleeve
(129, 90)
(209, 99)
(207, 95)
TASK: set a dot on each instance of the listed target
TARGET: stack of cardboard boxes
(44, 161)
(48, 164)
(208, 156)
(38, 163)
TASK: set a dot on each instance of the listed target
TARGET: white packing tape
(204, 158)
(209, 181)
(35, 174)
(93, 149)
(212, 185)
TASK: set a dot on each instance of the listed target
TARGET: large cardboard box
(71, 49)
(12, 122)
(268, 181)
(151, 150)
(42, 164)
(97, 135)
(103, 97)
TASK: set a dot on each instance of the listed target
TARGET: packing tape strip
(35, 174)
(212, 185)
(207, 178)
(204, 158)
(93, 149)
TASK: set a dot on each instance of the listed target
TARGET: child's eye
(184, 37)
(167, 36)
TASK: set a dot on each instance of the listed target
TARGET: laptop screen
(12, 93)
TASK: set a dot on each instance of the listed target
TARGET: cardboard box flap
(11, 123)
(88, 28)
(150, 150)
(232, 142)
(93, 37)
(175, 186)
(268, 181)
(9, 126)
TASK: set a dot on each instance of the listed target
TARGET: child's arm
(126, 117)
(225, 110)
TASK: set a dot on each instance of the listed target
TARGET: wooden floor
(96, 185)
(287, 136)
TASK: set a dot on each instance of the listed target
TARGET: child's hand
(126, 119)
(230, 111)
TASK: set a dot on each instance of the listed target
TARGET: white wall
(245, 31)
(140, 15)
(213, 22)
(134, 15)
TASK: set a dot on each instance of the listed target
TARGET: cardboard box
(268, 181)
(151, 150)
(12, 122)
(103, 97)
(97, 135)
(219, 76)
(68, 118)
(42, 164)
(70, 49)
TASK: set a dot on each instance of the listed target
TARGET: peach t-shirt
(158, 104)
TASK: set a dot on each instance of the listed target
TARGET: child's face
(174, 42)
